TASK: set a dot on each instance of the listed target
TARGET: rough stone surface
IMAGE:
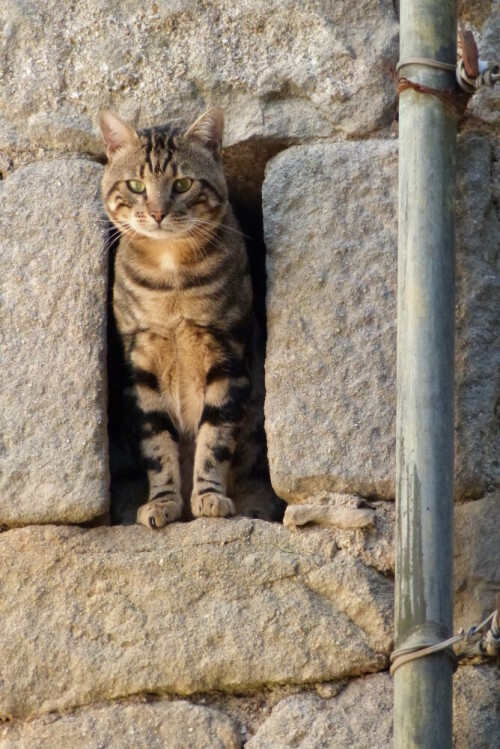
(53, 462)
(374, 548)
(340, 517)
(477, 380)
(330, 226)
(476, 708)
(477, 539)
(161, 725)
(369, 603)
(361, 715)
(307, 73)
(484, 18)
(476, 12)
(353, 716)
(476, 567)
(476, 544)
(208, 605)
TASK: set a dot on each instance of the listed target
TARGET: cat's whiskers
(126, 228)
(217, 224)
(228, 226)
(196, 239)
(111, 228)
(111, 238)
(195, 245)
(206, 230)
(114, 233)
(209, 237)
(201, 242)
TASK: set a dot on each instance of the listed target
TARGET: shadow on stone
(128, 478)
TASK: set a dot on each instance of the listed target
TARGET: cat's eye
(135, 185)
(182, 184)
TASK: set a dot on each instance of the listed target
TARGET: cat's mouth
(166, 229)
(156, 230)
(178, 229)
(160, 231)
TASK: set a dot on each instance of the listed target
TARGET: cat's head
(164, 183)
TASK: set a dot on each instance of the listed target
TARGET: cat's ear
(208, 130)
(115, 132)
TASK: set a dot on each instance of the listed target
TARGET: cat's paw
(158, 513)
(211, 505)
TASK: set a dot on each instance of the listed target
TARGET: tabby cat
(182, 299)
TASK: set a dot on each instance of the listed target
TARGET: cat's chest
(174, 312)
(162, 311)
(164, 299)
(180, 360)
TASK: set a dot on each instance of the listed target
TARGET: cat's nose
(158, 216)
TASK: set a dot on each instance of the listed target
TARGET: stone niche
(228, 633)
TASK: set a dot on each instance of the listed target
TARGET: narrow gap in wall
(128, 479)
(244, 165)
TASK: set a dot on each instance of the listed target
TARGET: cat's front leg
(223, 410)
(159, 442)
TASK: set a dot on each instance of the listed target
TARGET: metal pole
(424, 495)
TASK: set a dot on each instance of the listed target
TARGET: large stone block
(160, 725)
(53, 449)
(330, 228)
(362, 716)
(331, 234)
(279, 69)
(231, 605)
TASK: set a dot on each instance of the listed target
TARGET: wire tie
(492, 639)
(426, 62)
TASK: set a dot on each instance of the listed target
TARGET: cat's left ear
(115, 132)
(208, 130)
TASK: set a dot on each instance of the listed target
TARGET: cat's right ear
(115, 132)
(208, 130)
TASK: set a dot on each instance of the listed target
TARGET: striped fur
(182, 300)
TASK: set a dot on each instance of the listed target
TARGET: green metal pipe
(424, 494)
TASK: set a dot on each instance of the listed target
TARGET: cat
(182, 299)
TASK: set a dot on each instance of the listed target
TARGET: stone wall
(229, 633)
